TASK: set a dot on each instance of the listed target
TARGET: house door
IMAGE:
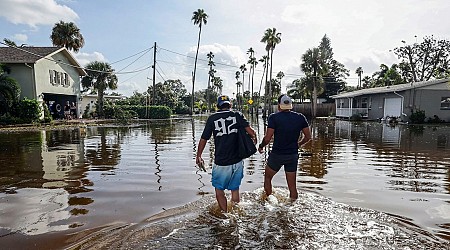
(392, 107)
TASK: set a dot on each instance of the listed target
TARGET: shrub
(47, 116)
(184, 110)
(149, 112)
(356, 117)
(160, 112)
(7, 119)
(112, 111)
(417, 116)
(28, 110)
(435, 119)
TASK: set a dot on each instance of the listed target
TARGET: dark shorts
(289, 162)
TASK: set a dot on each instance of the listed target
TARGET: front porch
(349, 112)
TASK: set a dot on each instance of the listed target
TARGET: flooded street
(366, 185)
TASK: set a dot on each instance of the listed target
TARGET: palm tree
(9, 42)
(100, 76)
(217, 84)
(359, 72)
(252, 62)
(238, 84)
(210, 56)
(199, 17)
(243, 69)
(280, 76)
(313, 65)
(271, 38)
(263, 60)
(67, 35)
(238, 95)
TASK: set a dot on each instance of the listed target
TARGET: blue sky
(361, 33)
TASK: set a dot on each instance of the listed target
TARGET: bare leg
(235, 196)
(221, 199)
(268, 175)
(291, 178)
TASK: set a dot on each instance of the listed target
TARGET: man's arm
(305, 138)
(252, 134)
(201, 147)
(266, 139)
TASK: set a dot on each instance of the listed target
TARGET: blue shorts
(227, 177)
(290, 162)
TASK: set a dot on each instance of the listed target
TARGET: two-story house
(48, 74)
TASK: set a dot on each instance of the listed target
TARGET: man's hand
(198, 160)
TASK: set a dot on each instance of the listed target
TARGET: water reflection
(73, 180)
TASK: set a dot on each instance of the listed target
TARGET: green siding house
(397, 101)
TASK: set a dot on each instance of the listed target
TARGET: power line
(71, 65)
(132, 62)
(146, 50)
(160, 75)
(162, 70)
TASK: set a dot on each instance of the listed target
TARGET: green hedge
(24, 111)
(151, 112)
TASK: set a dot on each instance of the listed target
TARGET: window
(364, 102)
(341, 103)
(445, 102)
(51, 76)
(66, 79)
(55, 78)
(59, 78)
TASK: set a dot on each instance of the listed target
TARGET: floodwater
(366, 185)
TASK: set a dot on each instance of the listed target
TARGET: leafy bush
(356, 117)
(47, 116)
(435, 119)
(417, 116)
(159, 112)
(28, 110)
(112, 111)
(183, 110)
(7, 119)
(149, 112)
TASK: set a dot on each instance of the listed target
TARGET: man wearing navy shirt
(228, 167)
(286, 127)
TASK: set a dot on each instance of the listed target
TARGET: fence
(323, 109)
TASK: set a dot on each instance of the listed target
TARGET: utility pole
(154, 70)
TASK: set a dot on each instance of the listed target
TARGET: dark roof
(33, 54)
(388, 89)
(24, 54)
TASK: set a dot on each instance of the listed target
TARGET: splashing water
(273, 222)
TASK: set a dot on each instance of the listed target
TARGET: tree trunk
(252, 93)
(270, 81)
(100, 112)
(314, 101)
(266, 89)
(207, 93)
(195, 68)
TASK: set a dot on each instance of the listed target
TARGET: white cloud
(85, 58)
(20, 38)
(36, 12)
(227, 58)
(129, 87)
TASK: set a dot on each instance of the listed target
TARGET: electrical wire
(164, 80)
(146, 50)
(132, 62)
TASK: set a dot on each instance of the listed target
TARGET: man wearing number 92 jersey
(228, 167)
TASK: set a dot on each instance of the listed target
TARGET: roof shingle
(24, 54)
